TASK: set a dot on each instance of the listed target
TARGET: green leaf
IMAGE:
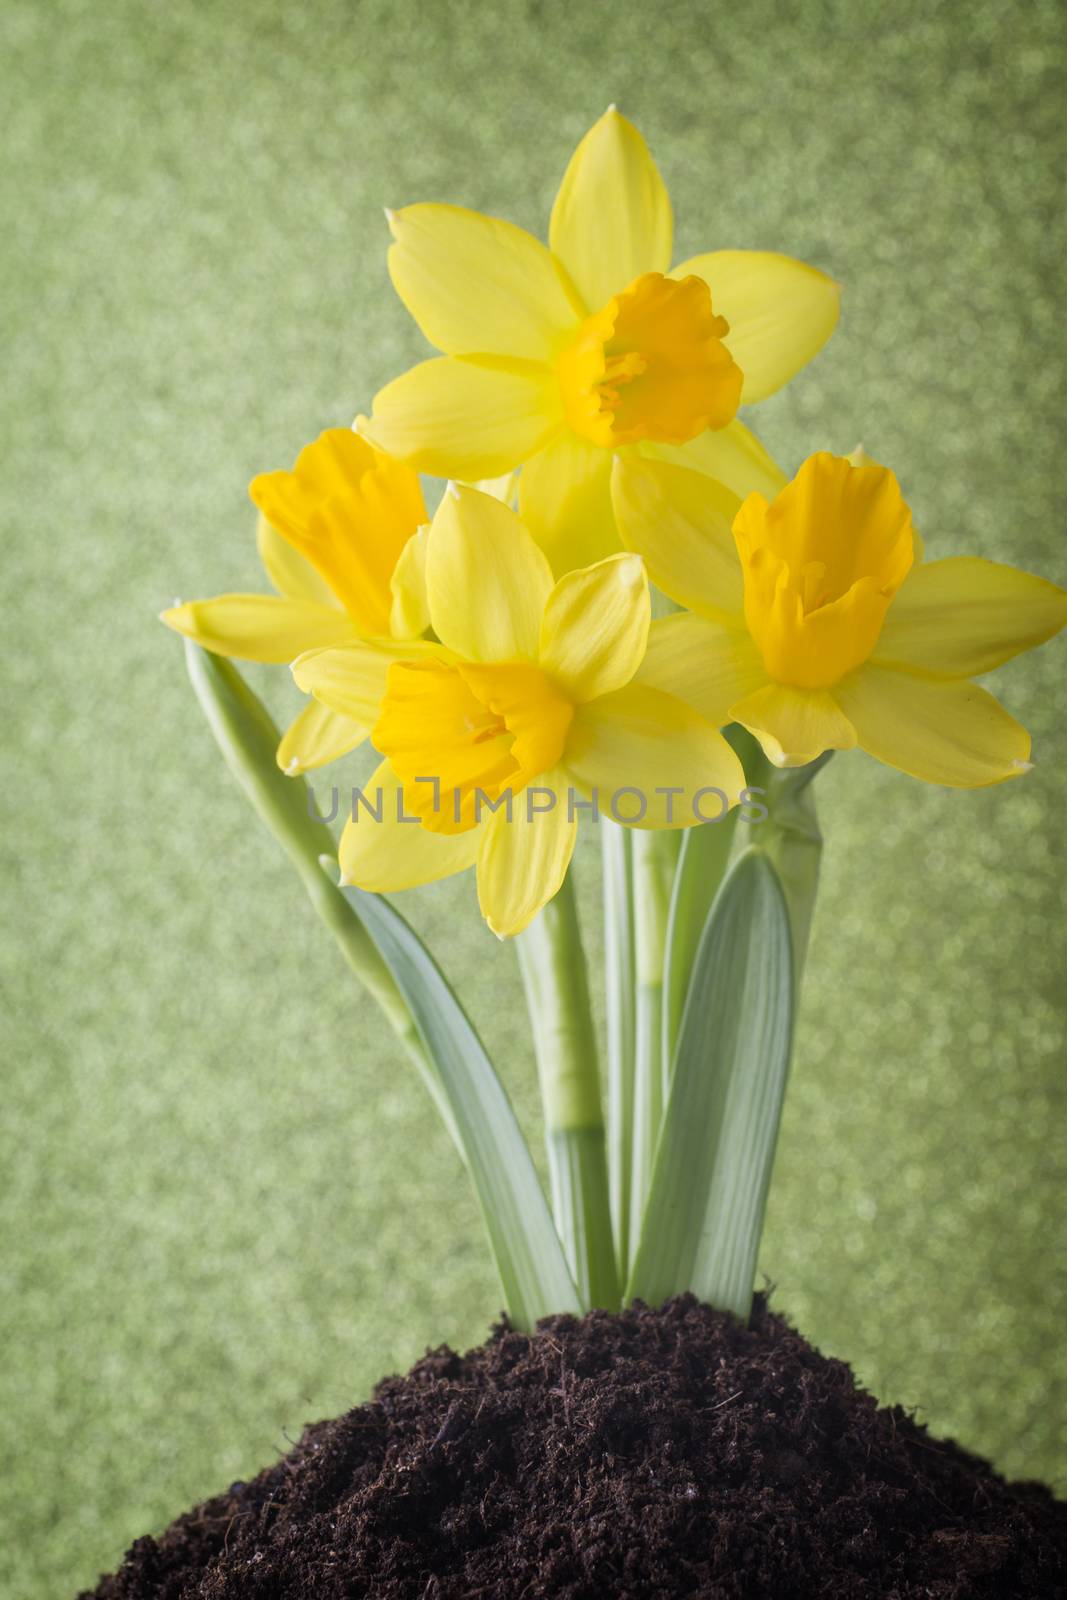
(702, 866)
(390, 961)
(619, 1004)
(793, 842)
(524, 1242)
(248, 742)
(555, 978)
(701, 1228)
(655, 857)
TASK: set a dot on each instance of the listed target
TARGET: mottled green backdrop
(225, 1205)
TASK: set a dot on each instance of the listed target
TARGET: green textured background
(225, 1208)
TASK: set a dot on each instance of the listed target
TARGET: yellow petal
(702, 662)
(505, 486)
(467, 419)
(487, 580)
(524, 859)
(651, 760)
(680, 521)
(565, 501)
(595, 627)
(965, 616)
(794, 725)
(316, 736)
(942, 730)
(477, 284)
(349, 509)
(860, 457)
(395, 852)
(352, 679)
(290, 573)
(821, 566)
(732, 455)
(259, 627)
(611, 220)
(410, 614)
(781, 312)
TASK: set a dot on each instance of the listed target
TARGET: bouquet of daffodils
(620, 613)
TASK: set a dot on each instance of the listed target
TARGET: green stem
(555, 978)
(704, 1216)
(423, 1011)
(794, 843)
(617, 851)
(791, 838)
(789, 835)
(702, 863)
(655, 856)
(248, 741)
(702, 1226)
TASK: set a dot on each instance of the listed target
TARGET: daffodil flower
(816, 623)
(342, 538)
(556, 358)
(525, 713)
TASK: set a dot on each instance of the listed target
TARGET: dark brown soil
(648, 1454)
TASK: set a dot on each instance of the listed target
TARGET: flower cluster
(585, 412)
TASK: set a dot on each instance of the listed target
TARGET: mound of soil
(652, 1453)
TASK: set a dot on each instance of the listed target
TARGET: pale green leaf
(702, 1224)
(387, 957)
(524, 1242)
(702, 864)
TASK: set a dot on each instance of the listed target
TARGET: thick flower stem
(248, 740)
(555, 978)
(577, 1159)
(655, 856)
(751, 894)
(790, 835)
(792, 839)
(617, 855)
(702, 864)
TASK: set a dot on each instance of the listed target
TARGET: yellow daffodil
(522, 715)
(818, 625)
(558, 357)
(342, 538)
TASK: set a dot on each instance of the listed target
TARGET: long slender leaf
(619, 979)
(248, 741)
(525, 1244)
(702, 865)
(655, 856)
(793, 841)
(395, 967)
(555, 977)
(702, 1225)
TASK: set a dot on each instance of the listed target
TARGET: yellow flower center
(460, 736)
(821, 565)
(650, 365)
